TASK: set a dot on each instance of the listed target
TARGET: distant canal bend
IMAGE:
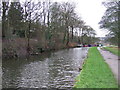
(51, 70)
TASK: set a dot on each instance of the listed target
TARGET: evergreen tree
(4, 18)
(15, 16)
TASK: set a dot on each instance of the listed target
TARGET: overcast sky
(91, 12)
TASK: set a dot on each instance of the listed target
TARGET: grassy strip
(113, 50)
(95, 73)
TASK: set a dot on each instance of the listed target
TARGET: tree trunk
(26, 24)
(3, 27)
(82, 37)
(64, 37)
(67, 36)
(44, 14)
(72, 32)
(119, 24)
(28, 38)
(3, 20)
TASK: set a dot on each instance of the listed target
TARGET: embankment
(95, 73)
(13, 48)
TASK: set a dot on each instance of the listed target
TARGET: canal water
(49, 70)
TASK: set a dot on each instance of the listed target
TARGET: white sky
(91, 12)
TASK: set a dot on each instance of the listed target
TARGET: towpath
(112, 61)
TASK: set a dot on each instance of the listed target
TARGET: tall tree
(15, 16)
(110, 19)
(119, 24)
(4, 17)
(32, 14)
(68, 11)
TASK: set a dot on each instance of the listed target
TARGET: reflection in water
(52, 70)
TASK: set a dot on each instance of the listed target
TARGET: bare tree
(31, 14)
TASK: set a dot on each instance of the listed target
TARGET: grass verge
(95, 73)
(113, 50)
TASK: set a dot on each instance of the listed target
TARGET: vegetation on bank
(114, 50)
(95, 73)
(33, 27)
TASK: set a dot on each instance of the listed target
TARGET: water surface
(50, 70)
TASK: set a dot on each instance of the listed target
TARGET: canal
(56, 69)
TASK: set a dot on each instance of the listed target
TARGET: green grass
(113, 50)
(95, 73)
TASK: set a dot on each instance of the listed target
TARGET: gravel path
(112, 61)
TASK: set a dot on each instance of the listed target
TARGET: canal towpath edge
(112, 61)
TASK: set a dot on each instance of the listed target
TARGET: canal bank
(17, 48)
(95, 73)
